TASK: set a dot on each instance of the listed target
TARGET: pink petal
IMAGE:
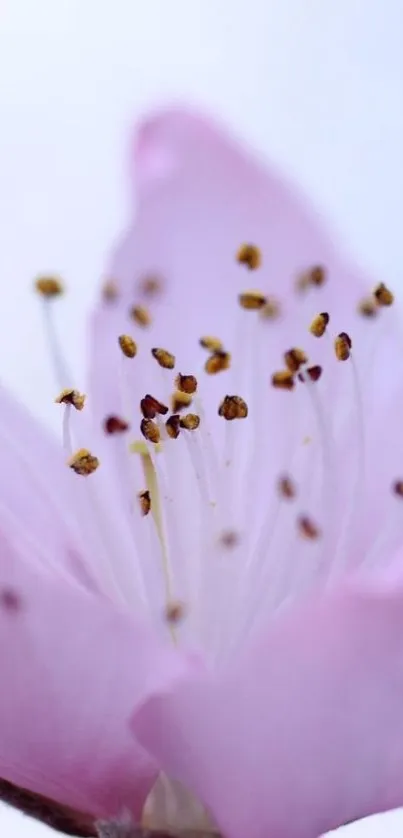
(71, 670)
(305, 732)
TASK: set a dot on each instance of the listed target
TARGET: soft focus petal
(305, 732)
(71, 671)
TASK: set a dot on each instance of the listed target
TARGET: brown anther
(128, 346)
(249, 255)
(179, 401)
(72, 397)
(110, 291)
(368, 307)
(174, 613)
(173, 426)
(186, 384)
(211, 343)
(286, 487)
(150, 285)
(271, 309)
(307, 527)
(115, 425)
(233, 407)
(319, 324)
(190, 421)
(313, 373)
(150, 430)
(398, 488)
(315, 276)
(383, 295)
(164, 358)
(83, 462)
(283, 380)
(150, 406)
(342, 346)
(229, 539)
(294, 359)
(49, 286)
(145, 502)
(252, 300)
(217, 362)
(140, 315)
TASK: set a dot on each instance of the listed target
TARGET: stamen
(308, 528)
(249, 255)
(186, 384)
(174, 613)
(217, 362)
(164, 358)
(283, 380)
(233, 407)
(173, 426)
(73, 397)
(83, 462)
(252, 300)
(140, 315)
(383, 295)
(286, 487)
(110, 291)
(319, 324)
(368, 307)
(150, 407)
(294, 359)
(190, 421)
(115, 425)
(151, 286)
(211, 343)
(179, 401)
(229, 539)
(49, 286)
(271, 309)
(398, 488)
(150, 430)
(314, 373)
(10, 600)
(145, 502)
(315, 276)
(128, 346)
(342, 346)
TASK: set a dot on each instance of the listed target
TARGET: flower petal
(71, 670)
(305, 732)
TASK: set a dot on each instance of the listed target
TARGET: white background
(315, 85)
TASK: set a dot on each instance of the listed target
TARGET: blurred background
(314, 87)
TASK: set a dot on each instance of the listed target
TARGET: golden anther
(368, 307)
(110, 291)
(283, 380)
(72, 397)
(313, 373)
(128, 346)
(342, 346)
(179, 401)
(164, 358)
(319, 324)
(233, 407)
(150, 430)
(190, 421)
(398, 488)
(229, 539)
(286, 487)
(150, 286)
(217, 362)
(83, 462)
(150, 406)
(115, 425)
(211, 343)
(174, 613)
(140, 315)
(249, 255)
(383, 295)
(315, 276)
(271, 309)
(307, 527)
(145, 502)
(252, 300)
(173, 426)
(186, 384)
(294, 359)
(49, 286)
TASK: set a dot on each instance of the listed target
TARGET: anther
(217, 362)
(115, 425)
(164, 358)
(229, 539)
(294, 359)
(368, 307)
(145, 502)
(150, 407)
(252, 300)
(283, 380)
(314, 373)
(150, 286)
(150, 430)
(249, 255)
(233, 407)
(398, 488)
(179, 401)
(342, 346)
(211, 343)
(140, 315)
(174, 613)
(286, 487)
(319, 324)
(110, 291)
(383, 295)
(10, 600)
(83, 462)
(307, 527)
(173, 426)
(190, 422)
(72, 397)
(315, 276)
(128, 346)
(271, 309)
(49, 286)
(186, 384)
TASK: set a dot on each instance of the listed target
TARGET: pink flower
(224, 584)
